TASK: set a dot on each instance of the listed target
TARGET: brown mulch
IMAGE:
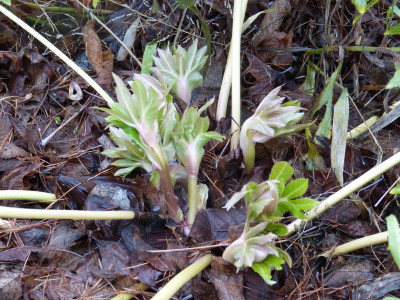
(48, 259)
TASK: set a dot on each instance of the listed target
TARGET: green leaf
(339, 134)
(396, 10)
(393, 30)
(395, 190)
(8, 2)
(251, 19)
(124, 172)
(324, 128)
(327, 93)
(295, 189)
(264, 271)
(357, 18)
(304, 203)
(94, 3)
(282, 172)
(361, 5)
(309, 85)
(182, 4)
(265, 267)
(275, 261)
(149, 52)
(395, 81)
(394, 238)
(284, 206)
(278, 229)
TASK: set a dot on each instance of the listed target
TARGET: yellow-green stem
(26, 213)
(184, 276)
(57, 52)
(352, 49)
(192, 199)
(360, 129)
(27, 195)
(363, 242)
(345, 191)
(250, 157)
(136, 289)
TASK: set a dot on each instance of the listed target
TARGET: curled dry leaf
(93, 46)
(75, 92)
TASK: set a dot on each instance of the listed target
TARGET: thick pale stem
(250, 157)
(27, 195)
(227, 79)
(192, 199)
(239, 6)
(366, 241)
(57, 52)
(26, 213)
(167, 187)
(184, 276)
(225, 89)
(345, 191)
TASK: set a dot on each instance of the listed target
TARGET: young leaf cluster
(271, 119)
(181, 70)
(149, 134)
(266, 203)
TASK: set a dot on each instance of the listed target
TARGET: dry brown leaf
(102, 61)
(10, 150)
(93, 46)
(105, 76)
(278, 40)
(272, 20)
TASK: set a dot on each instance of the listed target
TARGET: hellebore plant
(181, 69)
(146, 129)
(144, 138)
(266, 203)
(190, 136)
(271, 119)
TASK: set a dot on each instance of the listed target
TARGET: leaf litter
(94, 259)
